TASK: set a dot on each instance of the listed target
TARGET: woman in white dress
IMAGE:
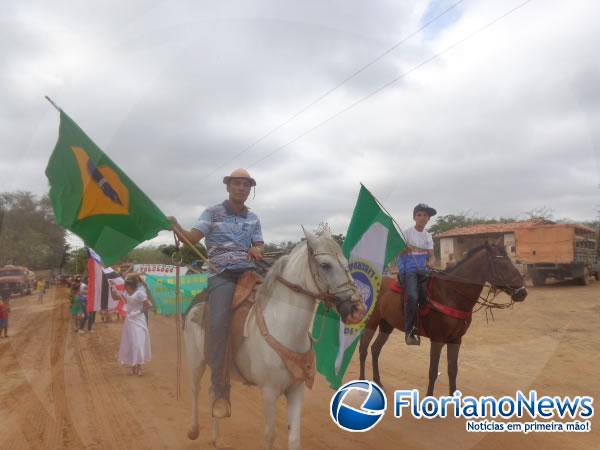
(134, 350)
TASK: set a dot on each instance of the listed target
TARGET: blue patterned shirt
(229, 236)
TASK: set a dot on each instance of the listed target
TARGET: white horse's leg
(215, 430)
(197, 373)
(194, 345)
(269, 396)
(295, 401)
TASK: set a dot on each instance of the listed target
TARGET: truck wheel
(585, 279)
(538, 279)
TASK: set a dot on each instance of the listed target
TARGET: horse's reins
(486, 302)
(300, 290)
(327, 295)
(490, 305)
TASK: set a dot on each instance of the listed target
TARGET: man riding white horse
(234, 242)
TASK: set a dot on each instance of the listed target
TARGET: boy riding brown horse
(446, 316)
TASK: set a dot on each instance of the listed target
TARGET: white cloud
(503, 123)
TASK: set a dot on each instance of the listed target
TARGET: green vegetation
(28, 234)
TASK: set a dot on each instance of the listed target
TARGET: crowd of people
(135, 349)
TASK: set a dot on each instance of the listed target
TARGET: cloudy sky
(496, 120)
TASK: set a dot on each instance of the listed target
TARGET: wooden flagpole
(178, 319)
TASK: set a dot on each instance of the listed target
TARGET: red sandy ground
(59, 389)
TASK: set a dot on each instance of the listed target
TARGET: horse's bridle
(504, 286)
(328, 296)
(484, 300)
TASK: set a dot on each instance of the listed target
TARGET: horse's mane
(450, 274)
(460, 263)
(270, 278)
(266, 287)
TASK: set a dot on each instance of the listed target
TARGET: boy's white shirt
(420, 240)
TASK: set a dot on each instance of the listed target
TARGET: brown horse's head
(502, 273)
(489, 263)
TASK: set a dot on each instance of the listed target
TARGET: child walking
(76, 310)
(41, 290)
(4, 310)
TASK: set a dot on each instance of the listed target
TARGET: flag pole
(178, 321)
(181, 236)
(398, 227)
(53, 104)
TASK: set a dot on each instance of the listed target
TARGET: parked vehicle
(560, 251)
(20, 279)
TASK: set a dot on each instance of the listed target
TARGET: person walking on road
(41, 290)
(134, 350)
(4, 310)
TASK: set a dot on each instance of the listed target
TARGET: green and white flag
(372, 241)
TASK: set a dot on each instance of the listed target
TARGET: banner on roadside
(166, 270)
(162, 290)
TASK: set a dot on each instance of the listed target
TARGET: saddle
(424, 291)
(427, 303)
(300, 365)
(244, 299)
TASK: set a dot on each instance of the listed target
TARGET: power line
(391, 82)
(335, 88)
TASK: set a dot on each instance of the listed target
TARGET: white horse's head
(332, 277)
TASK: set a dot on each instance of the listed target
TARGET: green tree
(281, 247)
(460, 220)
(148, 255)
(187, 255)
(76, 261)
(28, 234)
(541, 213)
(271, 247)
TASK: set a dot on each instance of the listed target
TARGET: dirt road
(60, 389)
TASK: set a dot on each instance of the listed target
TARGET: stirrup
(413, 338)
(221, 408)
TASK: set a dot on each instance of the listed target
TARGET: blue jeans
(220, 289)
(411, 285)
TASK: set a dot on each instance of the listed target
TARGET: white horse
(315, 269)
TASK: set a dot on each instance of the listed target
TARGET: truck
(20, 280)
(559, 251)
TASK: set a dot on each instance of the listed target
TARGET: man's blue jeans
(221, 288)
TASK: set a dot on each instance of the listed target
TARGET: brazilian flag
(94, 199)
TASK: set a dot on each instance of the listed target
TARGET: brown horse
(451, 297)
